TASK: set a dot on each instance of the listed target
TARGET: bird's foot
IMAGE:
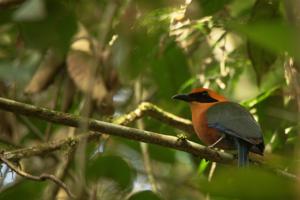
(217, 142)
(181, 137)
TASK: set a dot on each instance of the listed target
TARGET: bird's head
(200, 95)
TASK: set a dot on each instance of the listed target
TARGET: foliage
(101, 58)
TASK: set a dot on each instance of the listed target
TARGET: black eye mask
(202, 97)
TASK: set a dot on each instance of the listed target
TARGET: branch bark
(116, 130)
(155, 112)
(103, 127)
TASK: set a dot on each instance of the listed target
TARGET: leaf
(240, 8)
(170, 71)
(24, 189)
(261, 97)
(262, 58)
(144, 195)
(113, 167)
(249, 183)
(31, 10)
(265, 33)
(202, 166)
(40, 33)
(210, 7)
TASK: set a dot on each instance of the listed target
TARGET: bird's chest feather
(206, 134)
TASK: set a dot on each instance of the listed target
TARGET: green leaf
(187, 84)
(261, 97)
(265, 33)
(170, 70)
(262, 58)
(240, 8)
(202, 166)
(249, 183)
(54, 30)
(210, 7)
(24, 189)
(32, 10)
(144, 195)
(113, 167)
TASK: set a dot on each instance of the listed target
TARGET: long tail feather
(243, 152)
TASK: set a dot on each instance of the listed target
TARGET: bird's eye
(205, 93)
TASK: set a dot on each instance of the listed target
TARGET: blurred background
(101, 58)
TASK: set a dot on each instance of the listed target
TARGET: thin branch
(62, 170)
(144, 146)
(155, 112)
(42, 177)
(49, 147)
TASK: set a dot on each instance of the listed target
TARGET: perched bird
(224, 124)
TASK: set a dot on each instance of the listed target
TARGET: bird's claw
(181, 137)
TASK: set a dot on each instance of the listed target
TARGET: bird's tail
(243, 152)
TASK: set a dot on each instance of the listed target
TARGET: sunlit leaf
(259, 98)
(202, 166)
(31, 10)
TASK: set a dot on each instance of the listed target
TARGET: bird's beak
(183, 97)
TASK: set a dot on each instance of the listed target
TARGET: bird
(221, 123)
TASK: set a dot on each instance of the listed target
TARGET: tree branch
(155, 112)
(42, 177)
(116, 130)
(103, 127)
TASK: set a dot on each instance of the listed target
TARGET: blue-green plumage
(239, 127)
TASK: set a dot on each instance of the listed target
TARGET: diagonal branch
(155, 112)
(104, 127)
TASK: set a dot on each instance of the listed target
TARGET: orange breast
(207, 135)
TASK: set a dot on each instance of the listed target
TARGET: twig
(42, 177)
(62, 170)
(155, 112)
